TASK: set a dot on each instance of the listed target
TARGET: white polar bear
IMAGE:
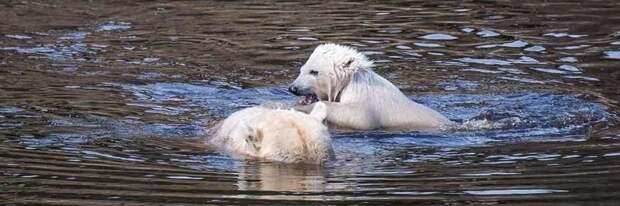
(278, 135)
(357, 97)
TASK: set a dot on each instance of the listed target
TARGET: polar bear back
(273, 134)
(385, 106)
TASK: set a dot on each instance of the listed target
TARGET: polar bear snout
(300, 90)
(309, 96)
(293, 89)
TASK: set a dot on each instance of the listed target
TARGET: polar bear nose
(294, 90)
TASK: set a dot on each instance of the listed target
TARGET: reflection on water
(513, 192)
(110, 105)
(276, 177)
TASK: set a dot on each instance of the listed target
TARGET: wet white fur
(358, 98)
(274, 134)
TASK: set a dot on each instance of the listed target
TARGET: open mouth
(309, 99)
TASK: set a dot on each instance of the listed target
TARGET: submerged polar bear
(275, 134)
(357, 97)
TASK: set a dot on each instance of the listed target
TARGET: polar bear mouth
(309, 99)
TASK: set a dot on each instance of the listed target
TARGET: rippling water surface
(106, 103)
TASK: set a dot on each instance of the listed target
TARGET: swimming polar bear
(280, 135)
(356, 97)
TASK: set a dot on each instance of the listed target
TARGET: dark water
(106, 103)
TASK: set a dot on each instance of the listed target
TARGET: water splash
(482, 118)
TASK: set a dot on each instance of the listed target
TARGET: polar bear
(356, 97)
(279, 135)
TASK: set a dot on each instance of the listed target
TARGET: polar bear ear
(252, 136)
(319, 112)
(347, 63)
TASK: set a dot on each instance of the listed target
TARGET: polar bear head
(276, 134)
(327, 72)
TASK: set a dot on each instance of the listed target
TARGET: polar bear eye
(314, 72)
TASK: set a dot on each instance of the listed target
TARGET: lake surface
(108, 102)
